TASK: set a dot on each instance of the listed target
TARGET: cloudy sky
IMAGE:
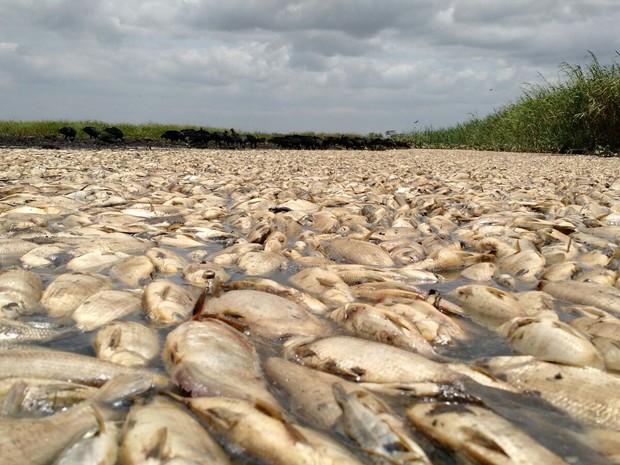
(284, 66)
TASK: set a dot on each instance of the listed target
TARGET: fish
(20, 438)
(307, 392)
(323, 284)
(486, 305)
(69, 290)
(166, 261)
(17, 331)
(267, 435)
(33, 397)
(550, 340)
(362, 360)
(598, 295)
(479, 434)
(101, 447)
(210, 358)
(587, 394)
(264, 315)
(376, 429)
(133, 271)
(343, 249)
(164, 431)
(164, 302)
(310, 303)
(127, 343)
(105, 306)
(20, 292)
(25, 361)
(382, 325)
(262, 263)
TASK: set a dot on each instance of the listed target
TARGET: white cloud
(283, 65)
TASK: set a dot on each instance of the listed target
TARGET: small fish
(480, 434)
(266, 435)
(163, 431)
(17, 331)
(21, 438)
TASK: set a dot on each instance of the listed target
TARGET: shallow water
(157, 175)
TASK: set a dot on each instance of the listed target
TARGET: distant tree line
(231, 139)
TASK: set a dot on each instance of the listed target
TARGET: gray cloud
(278, 65)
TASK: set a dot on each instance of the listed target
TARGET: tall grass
(581, 112)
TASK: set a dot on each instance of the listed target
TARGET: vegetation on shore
(578, 114)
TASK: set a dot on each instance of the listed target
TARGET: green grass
(579, 113)
(48, 128)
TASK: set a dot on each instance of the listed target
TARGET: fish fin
(340, 393)
(14, 399)
(478, 438)
(101, 428)
(115, 338)
(199, 305)
(158, 449)
(123, 386)
(295, 434)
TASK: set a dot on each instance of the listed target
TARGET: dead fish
(127, 343)
(95, 261)
(202, 274)
(20, 438)
(11, 250)
(68, 291)
(265, 435)
(368, 361)
(598, 276)
(229, 256)
(525, 265)
(262, 263)
(598, 295)
(381, 325)
(210, 358)
(446, 259)
(550, 340)
(326, 285)
(483, 271)
(435, 326)
(164, 432)
(480, 434)
(376, 429)
(609, 350)
(24, 362)
(20, 292)
(101, 447)
(560, 271)
(342, 249)
(311, 304)
(18, 331)
(166, 261)
(587, 394)
(486, 305)
(264, 315)
(105, 306)
(45, 255)
(308, 392)
(165, 302)
(133, 271)
(33, 397)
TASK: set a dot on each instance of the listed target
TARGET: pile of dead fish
(203, 307)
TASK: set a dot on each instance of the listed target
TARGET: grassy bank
(580, 113)
(51, 128)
